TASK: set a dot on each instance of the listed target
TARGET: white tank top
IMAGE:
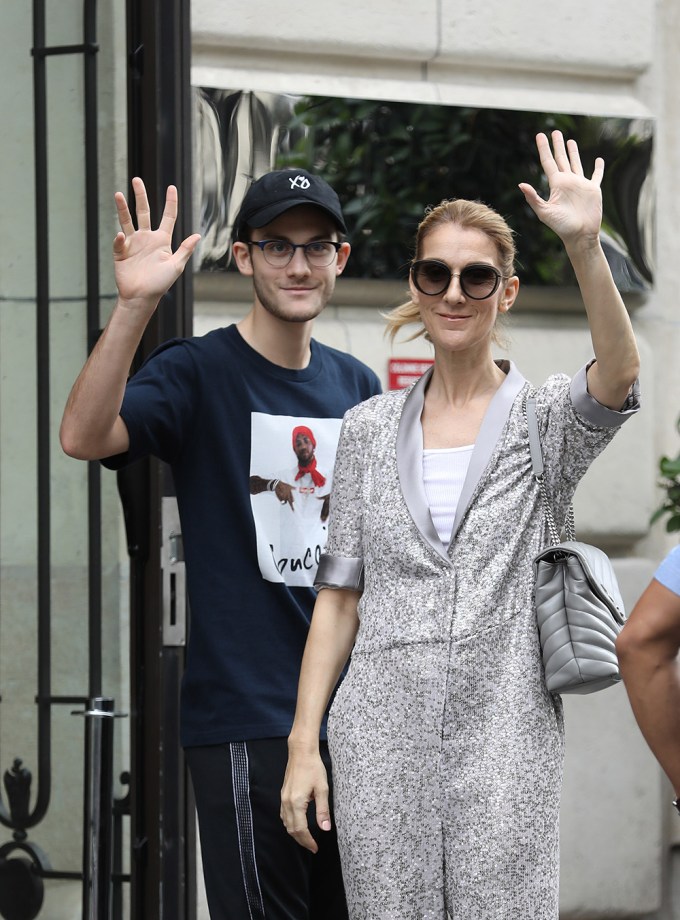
(444, 471)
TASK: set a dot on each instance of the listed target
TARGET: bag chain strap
(537, 463)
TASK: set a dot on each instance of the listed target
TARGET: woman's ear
(509, 295)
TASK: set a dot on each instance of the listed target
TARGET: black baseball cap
(276, 192)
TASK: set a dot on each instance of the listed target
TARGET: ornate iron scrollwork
(21, 885)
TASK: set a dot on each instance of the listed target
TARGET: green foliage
(388, 161)
(670, 482)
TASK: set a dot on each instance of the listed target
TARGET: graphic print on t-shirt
(291, 473)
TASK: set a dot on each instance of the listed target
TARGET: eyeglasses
(433, 277)
(280, 252)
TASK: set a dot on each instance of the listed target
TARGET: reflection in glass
(389, 160)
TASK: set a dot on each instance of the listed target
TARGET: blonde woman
(446, 745)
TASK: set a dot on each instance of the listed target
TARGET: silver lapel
(410, 464)
(410, 453)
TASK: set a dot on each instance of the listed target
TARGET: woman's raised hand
(144, 264)
(574, 208)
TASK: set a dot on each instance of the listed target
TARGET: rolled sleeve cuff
(340, 572)
(593, 411)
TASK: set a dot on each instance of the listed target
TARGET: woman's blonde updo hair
(468, 214)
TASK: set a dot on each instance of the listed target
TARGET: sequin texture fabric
(447, 747)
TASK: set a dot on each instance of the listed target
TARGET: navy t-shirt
(220, 414)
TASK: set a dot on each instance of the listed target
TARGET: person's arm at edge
(331, 637)
(647, 649)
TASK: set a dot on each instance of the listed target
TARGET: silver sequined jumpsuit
(447, 748)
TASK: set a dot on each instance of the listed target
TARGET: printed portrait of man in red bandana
(301, 493)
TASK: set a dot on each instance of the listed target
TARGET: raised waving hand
(574, 208)
(573, 211)
(145, 265)
(145, 268)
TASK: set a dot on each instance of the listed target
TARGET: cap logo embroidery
(299, 182)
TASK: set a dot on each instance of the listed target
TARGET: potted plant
(669, 467)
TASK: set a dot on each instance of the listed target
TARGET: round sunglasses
(432, 277)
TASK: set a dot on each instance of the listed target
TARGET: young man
(217, 408)
(648, 648)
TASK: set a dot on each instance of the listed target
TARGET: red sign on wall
(405, 371)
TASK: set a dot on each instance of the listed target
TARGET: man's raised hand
(145, 265)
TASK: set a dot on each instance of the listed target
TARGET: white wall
(583, 57)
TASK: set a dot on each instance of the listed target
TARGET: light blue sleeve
(668, 572)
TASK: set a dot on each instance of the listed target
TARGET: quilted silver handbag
(579, 609)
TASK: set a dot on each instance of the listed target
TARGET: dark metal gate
(149, 828)
(159, 111)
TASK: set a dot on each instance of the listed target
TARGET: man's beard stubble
(272, 306)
